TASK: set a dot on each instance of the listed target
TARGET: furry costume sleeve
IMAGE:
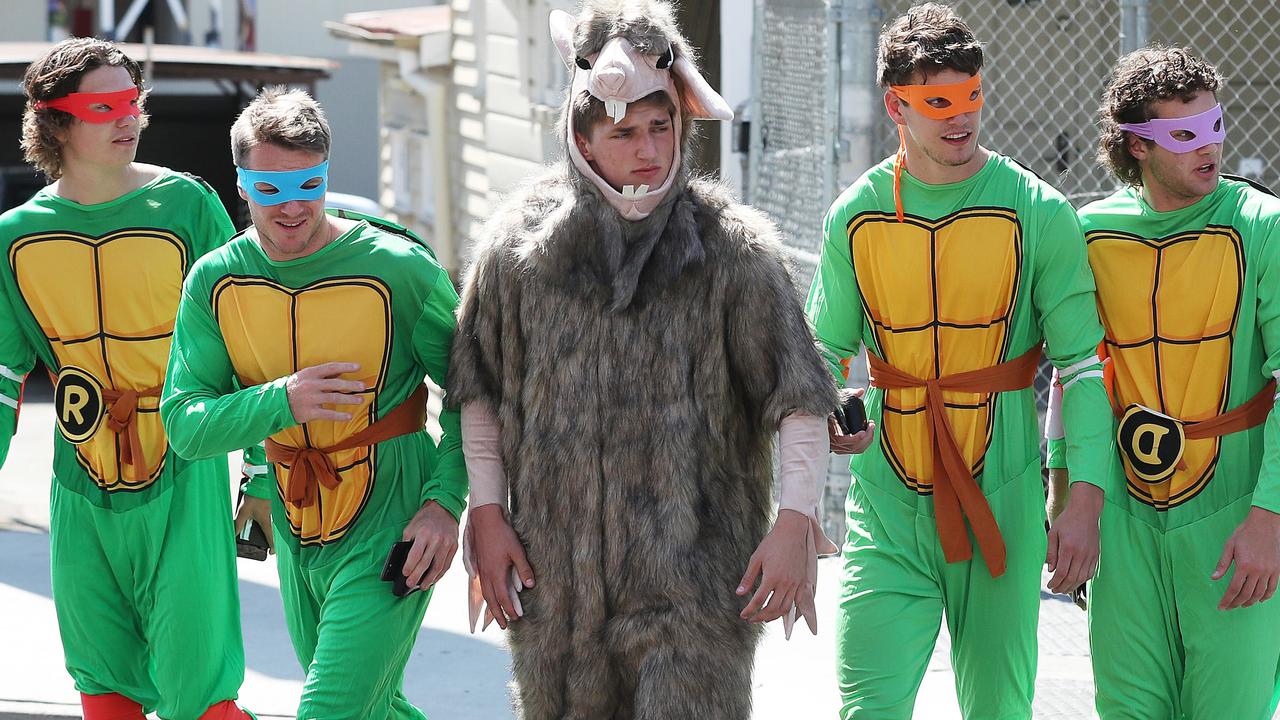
(772, 350)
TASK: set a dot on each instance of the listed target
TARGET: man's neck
(931, 173)
(91, 185)
(1160, 200)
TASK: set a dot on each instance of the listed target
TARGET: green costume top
(374, 296)
(1208, 343)
(980, 272)
(92, 290)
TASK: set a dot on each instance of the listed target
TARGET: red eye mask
(96, 107)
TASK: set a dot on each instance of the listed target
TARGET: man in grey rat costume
(623, 358)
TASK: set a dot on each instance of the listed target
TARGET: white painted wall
(24, 20)
(350, 96)
(735, 79)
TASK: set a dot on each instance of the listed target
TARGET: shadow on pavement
(447, 670)
(26, 561)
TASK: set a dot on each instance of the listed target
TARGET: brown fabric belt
(310, 467)
(122, 419)
(1252, 413)
(957, 496)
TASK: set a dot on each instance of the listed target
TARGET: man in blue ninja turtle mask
(314, 332)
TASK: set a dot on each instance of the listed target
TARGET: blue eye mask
(266, 187)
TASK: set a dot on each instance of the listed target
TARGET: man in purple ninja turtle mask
(1187, 263)
(628, 343)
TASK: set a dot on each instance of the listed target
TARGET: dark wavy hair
(927, 39)
(1140, 80)
(57, 74)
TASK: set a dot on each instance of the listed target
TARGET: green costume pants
(351, 635)
(1162, 649)
(146, 599)
(897, 587)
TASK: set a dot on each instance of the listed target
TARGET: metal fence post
(859, 25)
(1135, 24)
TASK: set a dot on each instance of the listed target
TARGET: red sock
(112, 706)
(225, 710)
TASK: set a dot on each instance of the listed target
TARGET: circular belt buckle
(1151, 442)
(78, 403)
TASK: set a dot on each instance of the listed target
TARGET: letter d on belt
(1151, 442)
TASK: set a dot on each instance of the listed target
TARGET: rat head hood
(619, 51)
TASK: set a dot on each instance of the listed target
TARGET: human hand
(781, 564)
(310, 389)
(259, 511)
(500, 562)
(434, 533)
(1254, 548)
(1073, 539)
(842, 444)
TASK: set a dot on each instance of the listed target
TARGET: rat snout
(609, 80)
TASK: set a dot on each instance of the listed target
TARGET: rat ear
(562, 25)
(703, 102)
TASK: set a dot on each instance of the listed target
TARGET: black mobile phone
(851, 415)
(393, 569)
(252, 542)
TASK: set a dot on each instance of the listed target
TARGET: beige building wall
(24, 21)
(350, 96)
(508, 84)
(470, 157)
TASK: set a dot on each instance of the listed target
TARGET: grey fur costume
(639, 371)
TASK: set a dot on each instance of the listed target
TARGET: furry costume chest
(632, 425)
(639, 371)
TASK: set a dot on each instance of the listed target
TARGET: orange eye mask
(947, 100)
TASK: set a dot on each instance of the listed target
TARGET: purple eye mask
(1206, 128)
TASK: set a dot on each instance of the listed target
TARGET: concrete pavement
(453, 674)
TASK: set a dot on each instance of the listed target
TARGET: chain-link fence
(792, 174)
(819, 120)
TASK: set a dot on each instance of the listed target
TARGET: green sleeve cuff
(1090, 435)
(448, 484)
(1057, 453)
(260, 475)
(1266, 494)
(8, 428)
(450, 502)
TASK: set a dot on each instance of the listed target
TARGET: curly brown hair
(1139, 80)
(57, 74)
(926, 39)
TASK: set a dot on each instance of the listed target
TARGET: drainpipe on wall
(1135, 24)
(432, 88)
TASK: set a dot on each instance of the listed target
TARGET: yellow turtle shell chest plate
(940, 297)
(1169, 307)
(107, 305)
(272, 331)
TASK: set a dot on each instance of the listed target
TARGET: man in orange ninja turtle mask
(953, 265)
